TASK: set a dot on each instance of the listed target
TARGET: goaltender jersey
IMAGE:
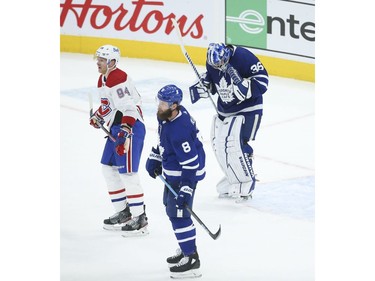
(249, 67)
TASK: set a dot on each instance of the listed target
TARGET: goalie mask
(109, 53)
(218, 55)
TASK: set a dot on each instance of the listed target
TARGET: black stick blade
(217, 234)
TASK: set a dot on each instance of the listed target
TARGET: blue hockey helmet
(170, 94)
(218, 54)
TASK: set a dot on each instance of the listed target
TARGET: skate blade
(243, 199)
(135, 233)
(194, 273)
(228, 196)
(114, 227)
(224, 196)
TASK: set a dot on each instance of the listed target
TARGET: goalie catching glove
(241, 86)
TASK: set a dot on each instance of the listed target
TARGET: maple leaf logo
(161, 150)
(225, 92)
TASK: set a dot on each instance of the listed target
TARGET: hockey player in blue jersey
(181, 158)
(239, 79)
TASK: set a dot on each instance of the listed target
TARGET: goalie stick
(179, 36)
(127, 141)
(213, 236)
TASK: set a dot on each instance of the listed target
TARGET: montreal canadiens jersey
(248, 67)
(117, 93)
(183, 156)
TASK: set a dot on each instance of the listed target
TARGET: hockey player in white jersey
(120, 110)
(240, 80)
(180, 156)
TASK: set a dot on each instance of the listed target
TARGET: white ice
(270, 238)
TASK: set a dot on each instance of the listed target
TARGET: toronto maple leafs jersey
(183, 156)
(249, 67)
(117, 93)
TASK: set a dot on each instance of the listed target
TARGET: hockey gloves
(96, 119)
(153, 163)
(201, 89)
(237, 79)
(184, 196)
(241, 87)
(122, 142)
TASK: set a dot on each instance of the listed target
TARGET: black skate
(188, 267)
(118, 220)
(174, 260)
(137, 226)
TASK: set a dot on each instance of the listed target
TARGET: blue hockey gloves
(233, 74)
(184, 196)
(242, 87)
(153, 163)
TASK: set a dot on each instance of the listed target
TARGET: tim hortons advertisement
(141, 20)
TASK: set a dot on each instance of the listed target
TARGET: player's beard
(164, 115)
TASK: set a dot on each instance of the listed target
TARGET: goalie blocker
(201, 89)
(236, 161)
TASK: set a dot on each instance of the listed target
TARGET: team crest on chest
(161, 150)
(225, 92)
(105, 107)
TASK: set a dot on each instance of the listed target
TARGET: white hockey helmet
(109, 53)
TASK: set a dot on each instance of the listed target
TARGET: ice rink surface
(53, 204)
(268, 238)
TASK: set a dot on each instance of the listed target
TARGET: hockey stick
(213, 236)
(179, 36)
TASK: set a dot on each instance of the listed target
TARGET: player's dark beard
(164, 115)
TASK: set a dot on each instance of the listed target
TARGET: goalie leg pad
(215, 138)
(226, 189)
(229, 151)
(134, 193)
(223, 186)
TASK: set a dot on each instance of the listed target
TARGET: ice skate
(225, 196)
(246, 197)
(118, 220)
(243, 199)
(188, 267)
(137, 226)
(174, 260)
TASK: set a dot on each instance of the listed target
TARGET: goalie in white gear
(239, 79)
(120, 110)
